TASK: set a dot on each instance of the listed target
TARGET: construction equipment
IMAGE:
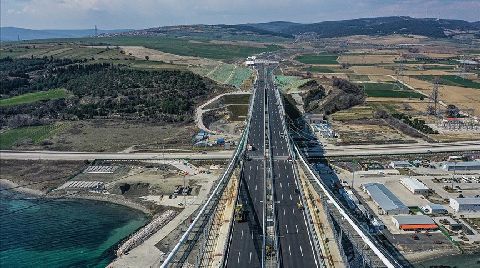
(239, 213)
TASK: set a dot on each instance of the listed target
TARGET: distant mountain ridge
(13, 33)
(431, 27)
(375, 26)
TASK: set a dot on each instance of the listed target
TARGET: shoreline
(8, 185)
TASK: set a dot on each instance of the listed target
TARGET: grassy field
(319, 69)
(34, 134)
(451, 80)
(239, 76)
(317, 59)
(52, 94)
(225, 73)
(386, 90)
(289, 82)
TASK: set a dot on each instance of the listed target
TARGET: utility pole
(354, 163)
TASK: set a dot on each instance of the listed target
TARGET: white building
(434, 209)
(400, 164)
(465, 166)
(415, 186)
(387, 202)
(467, 204)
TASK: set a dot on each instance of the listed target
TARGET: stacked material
(147, 231)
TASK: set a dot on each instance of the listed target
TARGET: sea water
(62, 233)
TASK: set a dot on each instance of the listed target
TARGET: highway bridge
(277, 229)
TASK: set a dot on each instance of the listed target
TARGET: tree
(147, 57)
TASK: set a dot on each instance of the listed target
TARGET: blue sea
(62, 233)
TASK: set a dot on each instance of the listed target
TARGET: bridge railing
(386, 259)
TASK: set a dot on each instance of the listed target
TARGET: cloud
(44, 14)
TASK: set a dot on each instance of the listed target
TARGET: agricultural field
(64, 51)
(52, 94)
(29, 135)
(388, 90)
(354, 113)
(367, 59)
(320, 69)
(358, 77)
(451, 80)
(178, 46)
(317, 59)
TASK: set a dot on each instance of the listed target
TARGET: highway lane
(246, 244)
(295, 247)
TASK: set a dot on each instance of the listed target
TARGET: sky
(139, 14)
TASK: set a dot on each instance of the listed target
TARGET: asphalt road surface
(247, 241)
(295, 246)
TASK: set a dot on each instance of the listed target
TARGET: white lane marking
(296, 227)
(293, 210)
(282, 196)
(256, 187)
(288, 184)
(291, 197)
(288, 251)
(284, 212)
(280, 185)
(301, 250)
(286, 227)
(238, 259)
(252, 234)
(248, 177)
(242, 233)
(251, 256)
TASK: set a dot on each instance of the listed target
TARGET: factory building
(466, 166)
(415, 186)
(434, 209)
(385, 199)
(414, 222)
(467, 204)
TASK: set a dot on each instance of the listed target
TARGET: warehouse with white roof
(467, 204)
(385, 199)
(415, 186)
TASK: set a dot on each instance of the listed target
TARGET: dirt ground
(368, 133)
(371, 70)
(465, 98)
(117, 135)
(156, 55)
(39, 174)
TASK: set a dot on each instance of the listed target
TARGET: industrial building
(400, 164)
(467, 204)
(434, 209)
(385, 199)
(414, 222)
(465, 166)
(415, 186)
